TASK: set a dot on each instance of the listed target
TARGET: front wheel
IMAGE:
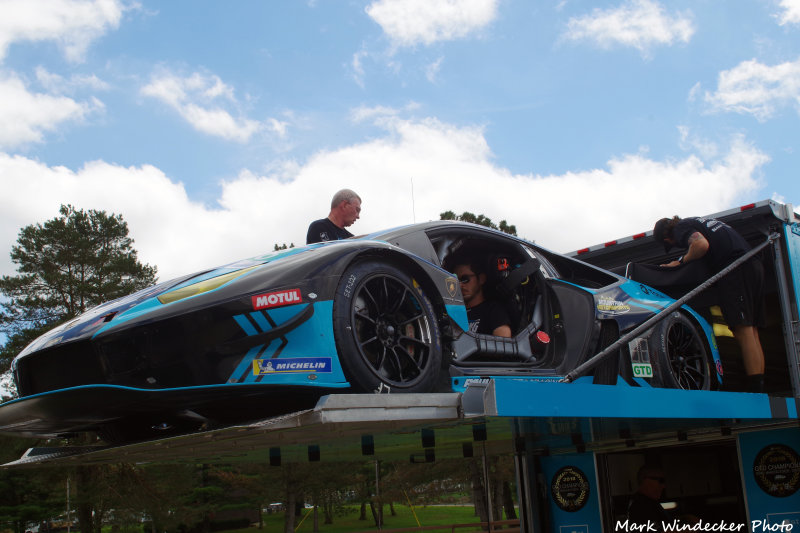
(681, 357)
(386, 331)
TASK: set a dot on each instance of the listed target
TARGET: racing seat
(518, 288)
(499, 288)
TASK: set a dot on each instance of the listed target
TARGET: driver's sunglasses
(465, 278)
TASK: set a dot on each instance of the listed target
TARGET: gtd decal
(274, 299)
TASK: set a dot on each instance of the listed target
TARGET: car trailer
(576, 446)
(755, 222)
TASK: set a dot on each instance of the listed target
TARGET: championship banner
(572, 493)
(770, 466)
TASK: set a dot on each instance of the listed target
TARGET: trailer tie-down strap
(595, 360)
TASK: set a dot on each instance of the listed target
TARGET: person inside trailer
(644, 508)
(741, 292)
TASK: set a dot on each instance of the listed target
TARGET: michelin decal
(262, 367)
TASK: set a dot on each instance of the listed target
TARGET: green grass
(427, 516)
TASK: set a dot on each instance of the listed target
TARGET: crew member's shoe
(755, 383)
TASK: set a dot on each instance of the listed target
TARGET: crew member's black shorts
(741, 295)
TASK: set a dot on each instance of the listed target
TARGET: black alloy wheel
(682, 358)
(386, 331)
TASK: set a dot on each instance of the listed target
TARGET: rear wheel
(386, 331)
(681, 357)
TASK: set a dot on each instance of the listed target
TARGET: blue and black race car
(376, 314)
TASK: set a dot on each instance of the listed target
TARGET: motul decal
(275, 299)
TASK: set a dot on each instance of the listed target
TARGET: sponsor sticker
(262, 367)
(640, 358)
(650, 291)
(612, 307)
(277, 298)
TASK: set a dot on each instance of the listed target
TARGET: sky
(219, 129)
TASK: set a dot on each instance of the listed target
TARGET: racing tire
(681, 357)
(386, 331)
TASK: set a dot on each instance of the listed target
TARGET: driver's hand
(671, 264)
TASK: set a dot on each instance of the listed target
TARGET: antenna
(413, 206)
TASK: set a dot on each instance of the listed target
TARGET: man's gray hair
(345, 195)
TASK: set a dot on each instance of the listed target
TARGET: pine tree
(66, 266)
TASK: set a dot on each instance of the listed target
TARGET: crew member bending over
(741, 291)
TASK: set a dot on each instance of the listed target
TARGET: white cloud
(692, 143)
(432, 70)
(201, 99)
(57, 84)
(71, 24)
(279, 127)
(451, 168)
(360, 114)
(757, 89)
(219, 122)
(640, 24)
(25, 116)
(412, 22)
(357, 64)
(791, 12)
(379, 114)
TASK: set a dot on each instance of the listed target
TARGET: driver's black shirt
(486, 317)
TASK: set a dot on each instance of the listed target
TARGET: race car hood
(236, 280)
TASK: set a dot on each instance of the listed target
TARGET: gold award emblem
(777, 470)
(570, 489)
(452, 286)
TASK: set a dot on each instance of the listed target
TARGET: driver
(485, 316)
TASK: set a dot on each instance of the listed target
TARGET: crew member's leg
(742, 307)
(752, 355)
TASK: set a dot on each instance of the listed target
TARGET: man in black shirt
(485, 316)
(741, 292)
(345, 209)
(644, 508)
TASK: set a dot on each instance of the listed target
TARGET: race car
(379, 313)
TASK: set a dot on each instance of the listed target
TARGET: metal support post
(791, 336)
